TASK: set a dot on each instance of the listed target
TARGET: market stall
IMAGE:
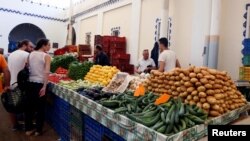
(159, 106)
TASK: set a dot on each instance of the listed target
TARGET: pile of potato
(212, 90)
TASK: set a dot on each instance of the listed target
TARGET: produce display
(75, 85)
(167, 118)
(56, 78)
(61, 61)
(94, 93)
(137, 80)
(61, 70)
(101, 75)
(212, 90)
(78, 70)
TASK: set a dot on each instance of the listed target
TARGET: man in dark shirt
(101, 57)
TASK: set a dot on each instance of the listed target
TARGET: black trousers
(34, 104)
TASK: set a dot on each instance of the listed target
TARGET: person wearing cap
(16, 62)
(101, 57)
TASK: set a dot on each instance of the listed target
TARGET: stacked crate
(115, 48)
(57, 115)
(94, 131)
(244, 72)
(76, 124)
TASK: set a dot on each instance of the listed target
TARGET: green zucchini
(191, 111)
(111, 103)
(163, 117)
(176, 117)
(149, 121)
(147, 107)
(162, 129)
(175, 129)
(145, 100)
(196, 119)
(183, 125)
(171, 124)
(120, 110)
(157, 125)
(182, 110)
(204, 117)
(170, 113)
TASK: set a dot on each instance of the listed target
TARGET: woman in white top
(39, 65)
(167, 59)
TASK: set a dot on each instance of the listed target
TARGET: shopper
(16, 62)
(167, 59)
(145, 64)
(5, 75)
(101, 57)
(155, 53)
(39, 64)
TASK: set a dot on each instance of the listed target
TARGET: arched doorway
(24, 31)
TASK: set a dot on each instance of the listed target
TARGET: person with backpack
(16, 62)
(39, 66)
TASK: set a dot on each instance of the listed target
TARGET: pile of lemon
(101, 74)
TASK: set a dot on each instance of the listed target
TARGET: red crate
(120, 56)
(120, 61)
(117, 45)
(118, 51)
(118, 39)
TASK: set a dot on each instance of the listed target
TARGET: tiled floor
(7, 135)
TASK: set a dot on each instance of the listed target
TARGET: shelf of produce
(131, 130)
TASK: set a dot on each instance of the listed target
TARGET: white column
(135, 31)
(69, 36)
(164, 18)
(214, 34)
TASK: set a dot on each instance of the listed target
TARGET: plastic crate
(120, 62)
(117, 51)
(89, 137)
(65, 134)
(92, 127)
(246, 60)
(244, 73)
(75, 134)
(121, 56)
(108, 134)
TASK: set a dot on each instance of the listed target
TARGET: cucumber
(196, 119)
(150, 95)
(145, 100)
(189, 122)
(157, 125)
(129, 108)
(138, 109)
(182, 110)
(161, 108)
(191, 111)
(120, 110)
(151, 113)
(176, 117)
(162, 129)
(175, 129)
(163, 116)
(171, 124)
(183, 125)
(204, 117)
(111, 103)
(170, 113)
(147, 107)
(149, 121)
